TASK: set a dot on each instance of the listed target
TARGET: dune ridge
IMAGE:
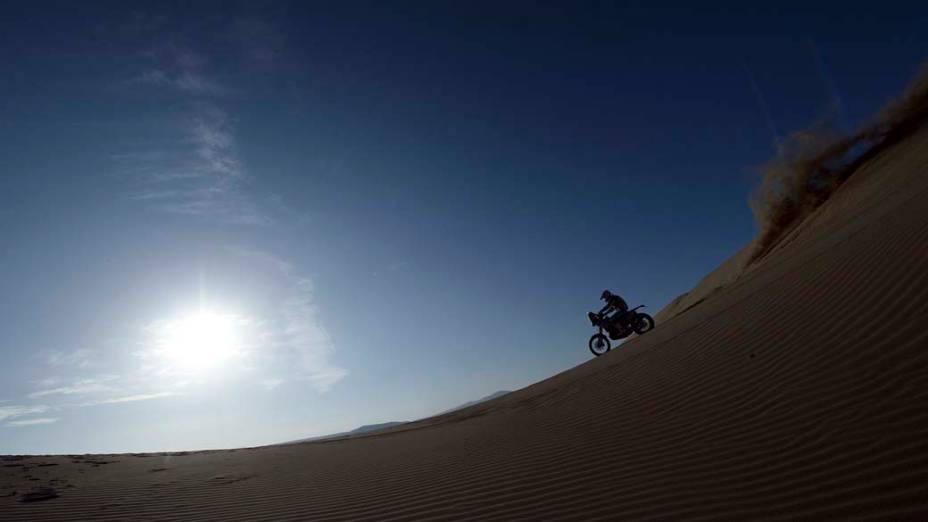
(811, 165)
(798, 390)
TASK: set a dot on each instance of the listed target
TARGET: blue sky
(369, 212)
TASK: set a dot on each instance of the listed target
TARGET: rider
(614, 305)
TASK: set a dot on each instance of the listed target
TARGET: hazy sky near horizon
(371, 212)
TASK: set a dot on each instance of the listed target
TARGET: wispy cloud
(78, 388)
(298, 333)
(32, 422)
(210, 130)
(178, 68)
(198, 171)
(80, 358)
(132, 398)
(304, 335)
(10, 412)
(215, 200)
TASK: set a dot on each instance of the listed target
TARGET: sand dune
(726, 273)
(798, 389)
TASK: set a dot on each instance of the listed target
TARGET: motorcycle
(618, 328)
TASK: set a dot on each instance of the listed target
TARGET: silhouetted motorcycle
(619, 328)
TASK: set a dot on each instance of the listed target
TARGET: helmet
(606, 295)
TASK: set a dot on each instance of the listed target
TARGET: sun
(200, 340)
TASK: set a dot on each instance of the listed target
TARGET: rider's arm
(606, 309)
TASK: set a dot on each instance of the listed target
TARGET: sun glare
(200, 340)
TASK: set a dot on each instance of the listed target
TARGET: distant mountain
(489, 397)
(370, 428)
(367, 428)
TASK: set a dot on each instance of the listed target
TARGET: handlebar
(595, 316)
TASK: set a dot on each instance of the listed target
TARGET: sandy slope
(798, 390)
(724, 275)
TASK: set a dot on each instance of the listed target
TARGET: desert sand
(795, 387)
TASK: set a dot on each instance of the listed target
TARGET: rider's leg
(622, 321)
(616, 324)
(622, 316)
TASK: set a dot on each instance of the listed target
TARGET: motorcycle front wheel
(599, 344)
(643, 323)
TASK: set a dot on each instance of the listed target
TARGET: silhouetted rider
(614, 305)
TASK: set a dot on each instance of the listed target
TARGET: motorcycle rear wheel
(599, 344)
(643, 323)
